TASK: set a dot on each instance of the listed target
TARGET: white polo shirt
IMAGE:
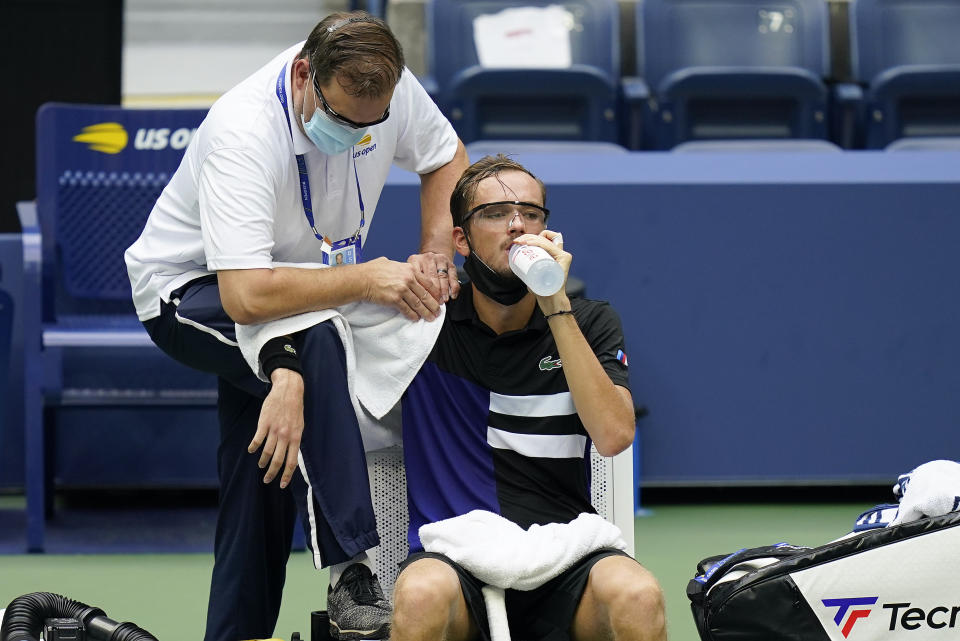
(234, 202)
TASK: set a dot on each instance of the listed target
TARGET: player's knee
(630, 589)
(419, 593)
(640, 603)
(646, 596)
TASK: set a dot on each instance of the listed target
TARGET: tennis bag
(897, 583)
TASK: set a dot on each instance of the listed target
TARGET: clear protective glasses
(501, 214)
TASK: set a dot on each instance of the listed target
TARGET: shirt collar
(461, 309)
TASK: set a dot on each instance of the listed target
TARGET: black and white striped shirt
(489, 422)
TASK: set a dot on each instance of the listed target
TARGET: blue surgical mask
(329, 136)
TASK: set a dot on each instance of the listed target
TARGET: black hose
(24, 618)
(104, 629)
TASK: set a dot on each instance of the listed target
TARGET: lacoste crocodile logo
(547, 364)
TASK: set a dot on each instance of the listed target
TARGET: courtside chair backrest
(890, 33)
(734, 68)
(571, 103)
(728, 33)
(101, 209)
(907, 55)
(99, 171)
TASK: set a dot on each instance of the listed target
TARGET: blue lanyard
(302, 167)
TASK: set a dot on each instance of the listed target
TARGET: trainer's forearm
(436, 224)
(259, 295)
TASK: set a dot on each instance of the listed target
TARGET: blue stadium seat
(729, 69)
(574, 103)
(87, 359)
(907, 54)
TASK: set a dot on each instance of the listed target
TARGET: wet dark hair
(488, 166)
(359, 50)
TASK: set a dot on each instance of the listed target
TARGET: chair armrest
(27, 213)
(846, 121)
(634, 90)
(634, 94)
(32, 314)
(847, 92)
(31, 238)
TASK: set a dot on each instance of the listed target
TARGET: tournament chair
(570, 103)
(907, 55)
(90, 370)
(729, 69)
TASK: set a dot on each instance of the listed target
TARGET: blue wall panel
(788, 317)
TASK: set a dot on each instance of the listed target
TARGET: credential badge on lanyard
(340, 252)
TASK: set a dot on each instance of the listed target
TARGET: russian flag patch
(622, 357)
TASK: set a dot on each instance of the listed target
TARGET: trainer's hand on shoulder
(437, 274)
(398, 285)
(280, 427)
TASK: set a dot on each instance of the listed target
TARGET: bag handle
(712, 569)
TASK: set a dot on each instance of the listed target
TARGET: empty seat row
(707, 70)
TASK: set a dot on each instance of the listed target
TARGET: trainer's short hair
(359, 50)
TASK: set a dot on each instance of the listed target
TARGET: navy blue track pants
(255, 522)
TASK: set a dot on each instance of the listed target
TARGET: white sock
(337, 570)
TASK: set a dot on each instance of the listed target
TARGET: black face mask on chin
(506, 290)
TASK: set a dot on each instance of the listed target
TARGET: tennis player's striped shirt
(489, 422)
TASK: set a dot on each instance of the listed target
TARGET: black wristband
(560, 313)
(279, 352)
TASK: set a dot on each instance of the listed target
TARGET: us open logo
(365, 146)
(105, 137)
(112, 138)
(846, 617)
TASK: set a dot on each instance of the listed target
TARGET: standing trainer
(288, 167)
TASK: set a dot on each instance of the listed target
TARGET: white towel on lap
(383, 349)
(932, 489)
(503, 555)
(500, 553)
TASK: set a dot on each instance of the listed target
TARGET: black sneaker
(357, 607)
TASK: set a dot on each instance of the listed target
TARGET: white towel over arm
(384, 351)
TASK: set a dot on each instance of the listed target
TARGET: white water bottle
(535, 267)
